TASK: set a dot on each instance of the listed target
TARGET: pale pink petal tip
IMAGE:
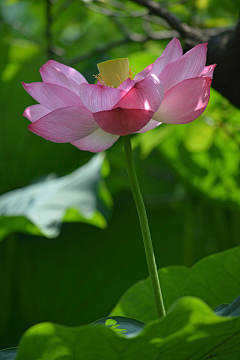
(25, 85)
(172, 53)
(190, 65)
(96, 142)
(52, 96)
(35, 112)
(150, 126)
(208, 71)
(67, 70)
(53, 75)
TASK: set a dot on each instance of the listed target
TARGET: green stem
(144, 227)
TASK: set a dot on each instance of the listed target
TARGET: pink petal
(121, 121)
(99, 97)
(184, 102)
(127, 84)
(208, 71)
(35, 112)
(172, 52)
(144, 73)
(189, 66)
(53, 75)
(146, 94)
(98, 141)
(68, 71)
(151, 125)
(52, 96)
(65, 124)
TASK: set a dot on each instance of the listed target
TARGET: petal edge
(185, 101)
(121, 121)
(96, 142)
(65, 125)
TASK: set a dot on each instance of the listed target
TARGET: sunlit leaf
(40, 208)
(190, 330)
(199, 136)
(215, 279)
(151, 139)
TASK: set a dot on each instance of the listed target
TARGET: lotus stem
(144, 227)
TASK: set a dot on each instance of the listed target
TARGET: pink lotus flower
(174, 89)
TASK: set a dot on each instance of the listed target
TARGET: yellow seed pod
(114, 72)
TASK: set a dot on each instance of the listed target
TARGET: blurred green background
(189, 174)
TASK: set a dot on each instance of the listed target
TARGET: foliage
(214, 279)
(190, 181)
(204, 153)
(40, 208)
(190, 329)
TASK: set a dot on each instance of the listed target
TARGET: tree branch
(195, 35)
(137, 38)
(98, 50)
(223, 50)
(48, 29)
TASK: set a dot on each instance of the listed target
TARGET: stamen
(103, 80)
(98, 78)
(119, 79)
(131, 73)
(106, 81)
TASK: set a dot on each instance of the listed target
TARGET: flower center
(113, 72)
